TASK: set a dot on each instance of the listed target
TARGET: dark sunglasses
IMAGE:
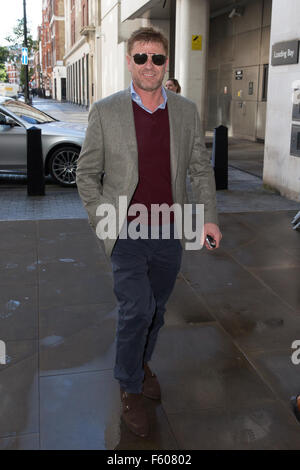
(157, 59)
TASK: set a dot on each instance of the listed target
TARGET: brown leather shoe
(134, 413)
(151, 387)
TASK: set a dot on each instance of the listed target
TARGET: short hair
(147, 34)
(176, 83)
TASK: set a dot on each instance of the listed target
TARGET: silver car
(61, 141)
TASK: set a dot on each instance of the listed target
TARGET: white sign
(24, 56)
(2, 353)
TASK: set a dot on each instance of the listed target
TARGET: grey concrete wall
(239, 43)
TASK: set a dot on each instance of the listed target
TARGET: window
(73, 32)
(26, 112)
(265, 82)
(85, 12)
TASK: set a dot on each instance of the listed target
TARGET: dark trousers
(144, 273)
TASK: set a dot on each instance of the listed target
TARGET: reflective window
(26, 112)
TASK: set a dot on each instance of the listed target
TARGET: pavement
(223, 358)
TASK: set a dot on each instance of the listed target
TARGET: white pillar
(192, 19)
(281, 168)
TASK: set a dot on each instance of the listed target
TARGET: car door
(13, 143)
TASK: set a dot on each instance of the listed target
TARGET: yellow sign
(196, 42)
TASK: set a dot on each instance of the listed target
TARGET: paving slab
(63, 111)
(18, 311)
(265, 426)
(22, 442)
(285, 282)
(216, 272)
(185, 306)
(77, 338)
(79, 411)
(257, 320)
(281, 373)
(200, 368)
(19, 404)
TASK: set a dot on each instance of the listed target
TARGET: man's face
(147, 77)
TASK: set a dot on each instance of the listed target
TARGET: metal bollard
(220, 157)
(35, 164)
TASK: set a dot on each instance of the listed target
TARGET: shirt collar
(136, 97)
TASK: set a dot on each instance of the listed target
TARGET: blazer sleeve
(202, 175)
(90, 166)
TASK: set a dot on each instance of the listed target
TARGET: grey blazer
(110, 146)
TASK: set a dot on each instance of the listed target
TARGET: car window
(3, 122)
(2, 119)
(26, 112)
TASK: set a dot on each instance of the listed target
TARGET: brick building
(36, 78)
(46, 49)
(57, 32)
(52, 50)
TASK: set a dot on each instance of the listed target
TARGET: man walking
(140, 142)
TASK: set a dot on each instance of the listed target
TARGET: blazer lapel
(126, 119)
(175, 135)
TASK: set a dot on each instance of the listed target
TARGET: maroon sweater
(153, 141)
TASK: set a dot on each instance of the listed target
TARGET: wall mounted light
(237, 11)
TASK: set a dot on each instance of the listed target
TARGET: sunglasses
(157, 59)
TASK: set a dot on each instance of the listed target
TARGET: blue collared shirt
(137, 99)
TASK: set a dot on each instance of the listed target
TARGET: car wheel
(63, 165)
